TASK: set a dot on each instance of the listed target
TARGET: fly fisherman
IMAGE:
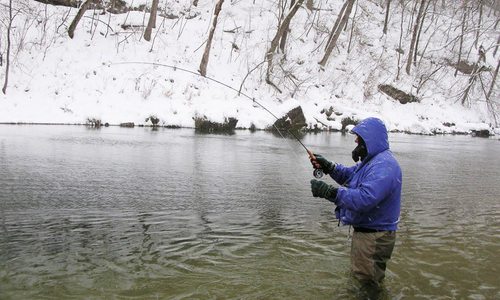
(368, 198)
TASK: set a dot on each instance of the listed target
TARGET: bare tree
(400, 45)
(388, 6)
(476, 73)
(78, 17)
(479, 22)
(152, 21)
(352, 28)
(414, 36)
(275, 41)
(338, 30)
(336, 24)
(493, 81)
(492, 105)
(496, 47)
(464, 22)
(310, 5)
(415, 51)
(285, 32)
(7, 63)
(206, 54)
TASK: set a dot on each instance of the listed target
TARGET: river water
(120, 213)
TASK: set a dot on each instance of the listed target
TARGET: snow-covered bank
(105, 73)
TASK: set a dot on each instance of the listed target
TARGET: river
(121, 213)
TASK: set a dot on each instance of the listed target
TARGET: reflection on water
(136, 213)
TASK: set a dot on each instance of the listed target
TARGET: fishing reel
(318, 173)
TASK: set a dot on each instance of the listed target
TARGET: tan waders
(370, 252)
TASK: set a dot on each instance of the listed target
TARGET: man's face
(360, 152)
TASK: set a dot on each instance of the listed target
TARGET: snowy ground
(105, 73)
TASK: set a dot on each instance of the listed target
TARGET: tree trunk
(493, 80)
(310, 5)
(285, 32)
(7, 63)
(419, 32)
(336, 25)
(479, 22)
(478, 68)
(386, 16)
(461, 38)
(152, 21)
(335, 37)
(400, 50)
(279, 33)
(414, 36)
(496, 47)
(352, 28)
(78, 17)
(206, 54)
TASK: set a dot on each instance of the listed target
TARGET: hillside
(108, 72)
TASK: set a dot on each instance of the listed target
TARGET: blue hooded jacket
(370, 192)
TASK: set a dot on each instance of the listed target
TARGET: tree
(285, 32)
(7, 63)
(479, 22)
(386, 16)
(414, 36)
(493, 81)
(78, 17)
(152, 20)
(206, 54)
(496, 47)
(337, 30)
(464, 19)
(415, 51)
(400, 49)
(310, 5)
(476, 73)
(275, 41)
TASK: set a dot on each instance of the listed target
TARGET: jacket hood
(374, 133)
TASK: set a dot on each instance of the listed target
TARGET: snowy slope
(107, 73)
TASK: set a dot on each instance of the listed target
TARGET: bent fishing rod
(318, 173)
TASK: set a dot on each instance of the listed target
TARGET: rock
(127, 124)
(154, 120)
(348, 121)
(481, 133)
(293, 120)
(397, 94)
(202, 124)
(70, 3)
(93, 122)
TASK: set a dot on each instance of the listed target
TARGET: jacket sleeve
(342, 173)
(373, 188)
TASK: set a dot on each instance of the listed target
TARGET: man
(368, 199)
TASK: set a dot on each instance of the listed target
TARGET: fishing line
(318, 173)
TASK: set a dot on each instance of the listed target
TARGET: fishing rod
(318, 173)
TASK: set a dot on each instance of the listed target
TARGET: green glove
(323, 163)
(323, 190)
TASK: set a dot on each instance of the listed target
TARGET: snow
(108, 73)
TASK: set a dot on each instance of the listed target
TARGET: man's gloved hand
(322, 163)
(323, 190)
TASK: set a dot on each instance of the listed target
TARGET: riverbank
(108, 74)
(483, 133)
